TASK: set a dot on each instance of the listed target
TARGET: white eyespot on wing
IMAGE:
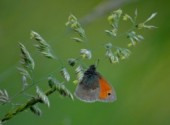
(111, 96)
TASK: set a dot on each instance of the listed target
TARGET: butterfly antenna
(97, 62)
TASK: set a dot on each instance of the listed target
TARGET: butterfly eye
(109, 93)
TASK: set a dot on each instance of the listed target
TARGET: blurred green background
(142, 82)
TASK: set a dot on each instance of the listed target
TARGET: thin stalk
(25, 106)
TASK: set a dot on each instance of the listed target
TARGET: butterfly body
(93, 87)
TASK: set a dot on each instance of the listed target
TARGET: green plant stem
(25, 106)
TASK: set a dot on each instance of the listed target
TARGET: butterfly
(93, 87)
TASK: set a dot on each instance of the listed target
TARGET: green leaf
(52, 81)
(64, 91)
(127, 17)
(134, 38)
(144, 25)
(36, 110)
(122, 53)
(60, 87)
(112, 32)
(24, 72)
(42, 46)
(72, 61)
(85, 53)
(42, 96)
(24, 82)
(65, 74)
(149, 26)
(113, 19)
(75, 25)
(26, 58)
(108, 45)
(4, 98)
(150, 17)
(77, 39)
(113, 58)
(79, 73)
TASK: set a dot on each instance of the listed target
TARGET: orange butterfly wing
(105, 89)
